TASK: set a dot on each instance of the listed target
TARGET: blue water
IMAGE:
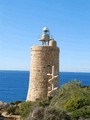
(14, 84)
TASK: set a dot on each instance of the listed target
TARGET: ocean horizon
(14, 83)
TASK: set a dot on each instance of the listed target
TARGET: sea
(14, 84)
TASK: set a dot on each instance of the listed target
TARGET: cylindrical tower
(42, 59)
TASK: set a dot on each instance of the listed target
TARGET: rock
(3, 105)
(3, 113)
(4, 116)
(1, 117)
(81, 118)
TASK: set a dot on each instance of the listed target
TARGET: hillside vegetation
(74, 99)
(72, 102)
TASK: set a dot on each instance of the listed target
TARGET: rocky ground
(3, 113)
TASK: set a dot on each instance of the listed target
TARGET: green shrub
(40, 113)
(24, 109)
(16, 102)
(55, 114)
(76, 103)
(45, 102)
(11, 110)
(83, 112)
(36, 114)
(71, 97)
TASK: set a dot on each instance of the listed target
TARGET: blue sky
(21, 23)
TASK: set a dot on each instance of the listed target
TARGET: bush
(45, 102)
(55, 114)
(83, 112)
(71, 97)
(40, 113)
(76, 103)
(36, 114)
(16, 102)
(11, 110)
(24, 109)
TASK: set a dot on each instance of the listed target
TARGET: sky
(21, 24)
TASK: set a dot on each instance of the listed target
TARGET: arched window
(49, 69)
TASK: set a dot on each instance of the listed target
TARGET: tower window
(49, 68)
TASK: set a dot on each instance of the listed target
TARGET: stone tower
(44, 68)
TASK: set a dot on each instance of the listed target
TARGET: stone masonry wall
(41, 58)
